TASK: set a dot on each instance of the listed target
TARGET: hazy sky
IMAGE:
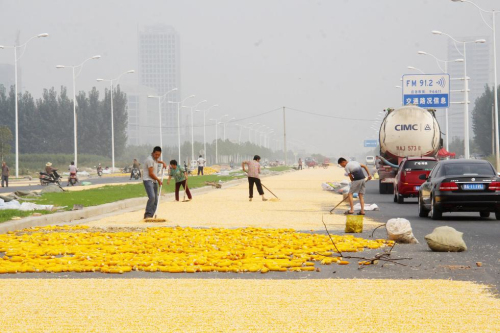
(339, 57)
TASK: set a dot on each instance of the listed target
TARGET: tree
(482, 121)
(5, 139)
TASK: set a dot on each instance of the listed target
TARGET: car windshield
(468, 169)
(419, 165)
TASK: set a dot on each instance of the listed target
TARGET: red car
(407, 183)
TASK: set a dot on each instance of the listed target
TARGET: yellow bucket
(354, 224)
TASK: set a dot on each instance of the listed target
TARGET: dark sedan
(460, 186)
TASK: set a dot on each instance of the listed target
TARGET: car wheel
(422, 211)
(436, 213)
(400, 199)
(484, 214)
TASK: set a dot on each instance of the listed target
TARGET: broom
(154, 219)
(269, 191)
(185, 188)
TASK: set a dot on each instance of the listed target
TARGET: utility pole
(493, 128)
(284, 135)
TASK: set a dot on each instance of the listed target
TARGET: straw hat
(48, 164)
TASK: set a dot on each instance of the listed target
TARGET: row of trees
(46, 124)
(482, 121)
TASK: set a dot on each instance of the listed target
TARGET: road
(480, 235)
(35, 184)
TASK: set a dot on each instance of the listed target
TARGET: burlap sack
(446, 239)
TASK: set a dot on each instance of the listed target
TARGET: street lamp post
(205, 127)
(179, 122)
(493, 28)
(466, 86)
(79, 67)
(217, 122)
(112, 116)
(225, 123)
(445, 70)
(16, 59)
(192, 127)
(160, 97)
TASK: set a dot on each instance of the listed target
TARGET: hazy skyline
(337, 58)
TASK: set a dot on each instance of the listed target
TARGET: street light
(217, 122)
(80, 67)
(179, 122)
(192, 127)
(250, 126)
(493, 28)
(160, 97)
(205, 127)
(416, 69)
(466, 84)
(225, 123)
(445, 70)
(16, 59)
(112, 117)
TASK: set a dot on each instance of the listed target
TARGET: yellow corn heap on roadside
(173, 250)
(206, 171)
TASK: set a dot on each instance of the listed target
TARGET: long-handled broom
(264, 186)
(154, 219)
(185, 188)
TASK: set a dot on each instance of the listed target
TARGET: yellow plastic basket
(354, 224)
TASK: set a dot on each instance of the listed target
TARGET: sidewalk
(302, 206)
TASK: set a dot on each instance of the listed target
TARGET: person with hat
(51, 171)
(253, 172)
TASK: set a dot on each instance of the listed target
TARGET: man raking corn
(355, 173)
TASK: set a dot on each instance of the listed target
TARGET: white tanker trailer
(407, 131)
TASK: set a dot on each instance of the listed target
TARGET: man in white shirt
(357, 176)
(72, 170)
(201, 164)
(151, 180)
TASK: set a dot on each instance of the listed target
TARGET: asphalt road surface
(480, 234)
(35, 184)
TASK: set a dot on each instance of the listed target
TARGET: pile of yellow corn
(206, 171)
(173, 250)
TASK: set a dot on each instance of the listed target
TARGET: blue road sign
(371, 143)
(426, 90)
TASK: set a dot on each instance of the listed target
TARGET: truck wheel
(381, 187)
(436, 213)
(389, 188)
(422, 211)
(497, 214)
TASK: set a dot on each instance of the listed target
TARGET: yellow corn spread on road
(174, 250)
(246, 305)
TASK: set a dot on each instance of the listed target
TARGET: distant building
(7, 76)
(479, 69)
(159, 68)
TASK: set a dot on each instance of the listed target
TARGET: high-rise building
(480, 72)
(6, 76)
(159, 68)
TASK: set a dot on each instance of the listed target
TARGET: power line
(328, 116)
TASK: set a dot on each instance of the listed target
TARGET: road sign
(371, 143)
(426, 90)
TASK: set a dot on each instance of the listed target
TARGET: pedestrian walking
(180, 175)
(300, 164)
(151, 180)
(355, 172)
(5, 175)
(253, 172)
(201, 164)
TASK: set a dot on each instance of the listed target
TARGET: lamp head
(170, 102)
(411, 67)
(151, 96)
(458, 60)
(480, 41)
(60, 66)
(437, 32)
(1, 47)
(174, 89)
(96, 57)
(457, 0)
(43, 35)
(99, 80)
(422, 52)
(131, 71)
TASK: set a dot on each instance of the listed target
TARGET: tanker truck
(407, 131)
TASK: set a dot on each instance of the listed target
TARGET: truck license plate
(472, 187)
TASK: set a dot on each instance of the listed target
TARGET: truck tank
(409, 131)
